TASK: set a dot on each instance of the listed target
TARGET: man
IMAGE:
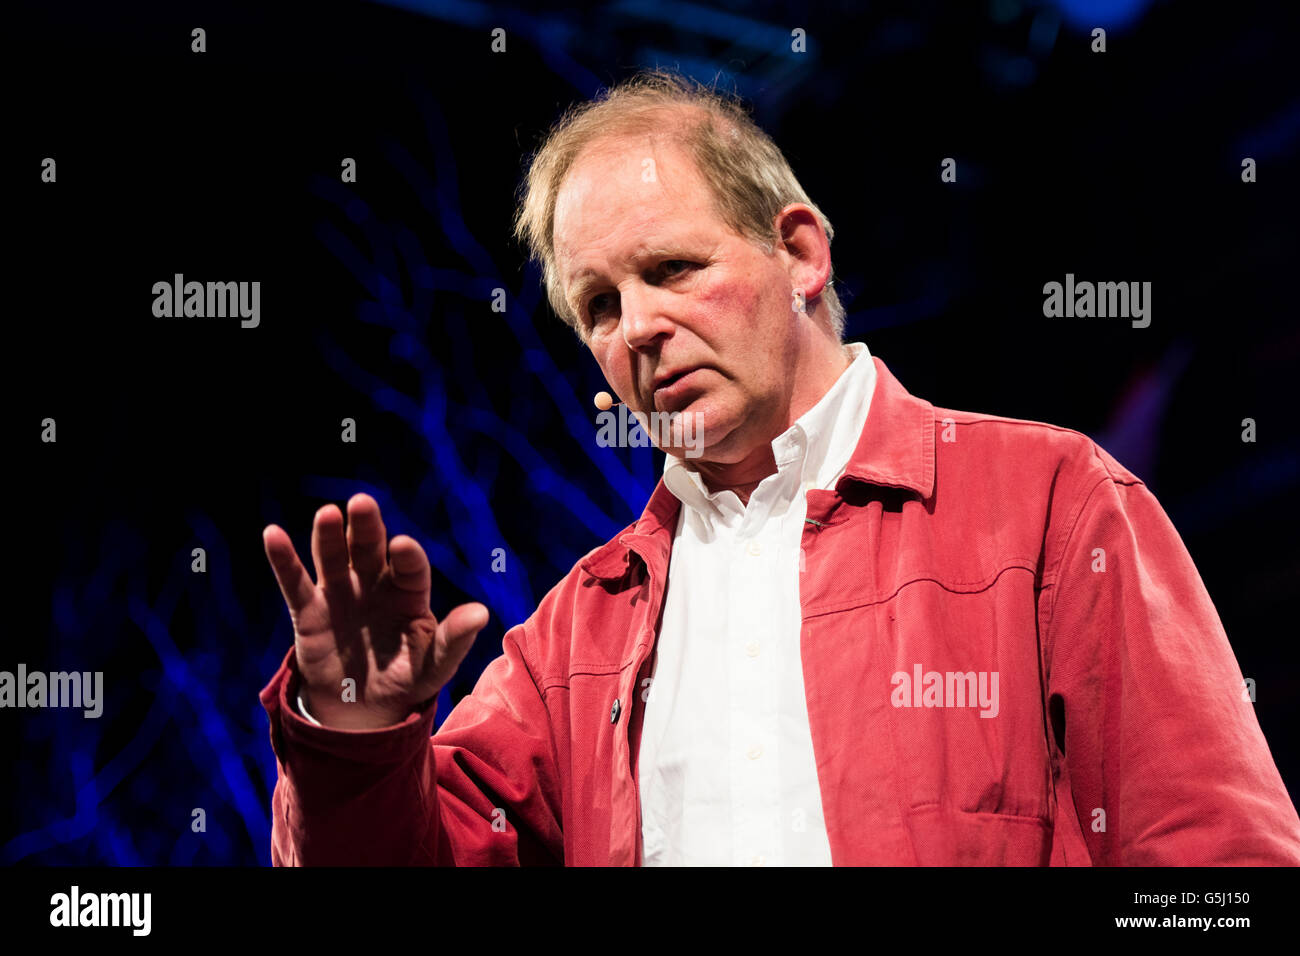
(858, 629)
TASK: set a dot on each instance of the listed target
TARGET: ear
(808, 250)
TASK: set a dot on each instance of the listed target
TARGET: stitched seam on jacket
(973, 587)
(1014, 817)
(523, 652)
(1050, 575)
(1056, 572)
(551, 685)
(592, 669)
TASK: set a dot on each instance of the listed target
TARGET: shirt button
(755, 548)
(754, 753)
(615, 711)
(752, 650)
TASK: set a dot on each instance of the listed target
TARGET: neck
(743, 476)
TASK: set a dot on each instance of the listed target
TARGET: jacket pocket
(942, 836)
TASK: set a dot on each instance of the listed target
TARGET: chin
(725, 431)
(723, 442)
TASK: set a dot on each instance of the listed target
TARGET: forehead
(628, 191)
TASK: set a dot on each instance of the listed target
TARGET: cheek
(749, 321)
(751, 330)
(614, 361)
(735, 303)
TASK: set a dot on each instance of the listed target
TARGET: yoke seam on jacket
(985, 583)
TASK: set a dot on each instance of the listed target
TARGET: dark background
(475, 428)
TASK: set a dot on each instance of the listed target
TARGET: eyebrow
(586, 278)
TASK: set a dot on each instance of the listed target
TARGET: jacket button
(615, 711)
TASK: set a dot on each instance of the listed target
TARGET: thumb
(464, 622)
(457, 632)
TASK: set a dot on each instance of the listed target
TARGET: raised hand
(367, 617)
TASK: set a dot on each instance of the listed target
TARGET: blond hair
(747, 173)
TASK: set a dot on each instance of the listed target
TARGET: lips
(676, 388)
(667, 380)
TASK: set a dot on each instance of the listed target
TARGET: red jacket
(955, 542)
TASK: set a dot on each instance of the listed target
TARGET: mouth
(674, 389)
(669, 379)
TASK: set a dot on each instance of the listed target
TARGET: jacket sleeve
(481, 792)
(1165, 758)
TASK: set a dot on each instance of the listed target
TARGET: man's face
(661, 285)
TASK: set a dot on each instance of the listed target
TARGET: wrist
(323, 712)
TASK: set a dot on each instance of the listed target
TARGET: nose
(642, 318)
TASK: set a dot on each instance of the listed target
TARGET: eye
(598, 304)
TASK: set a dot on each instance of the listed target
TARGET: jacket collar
(896, 450)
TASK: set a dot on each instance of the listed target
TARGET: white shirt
(726, 767)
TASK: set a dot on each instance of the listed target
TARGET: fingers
(295, 585)
(367, 538)
(329, 548)
(411, 575)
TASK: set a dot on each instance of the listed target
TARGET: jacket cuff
(289, 729)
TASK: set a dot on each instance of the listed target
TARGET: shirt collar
(896, 449)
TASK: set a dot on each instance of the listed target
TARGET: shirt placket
(753, 661)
